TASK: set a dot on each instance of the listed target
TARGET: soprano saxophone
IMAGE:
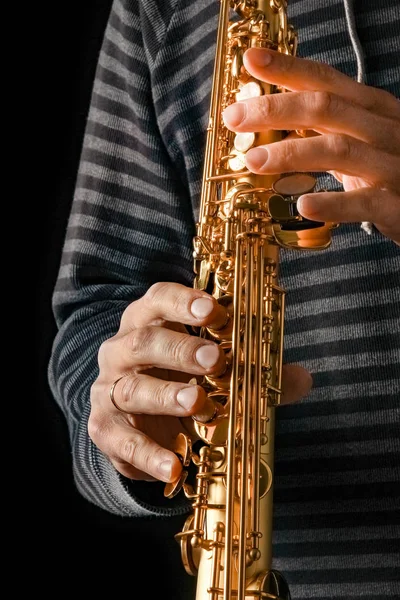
(244, 221)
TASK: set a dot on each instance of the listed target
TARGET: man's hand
(359, 141)
(148, 365)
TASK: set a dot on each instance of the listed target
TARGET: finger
(330, 152)
(299, 74)
(381, 207)
(131, 472)
(152, 346)
(321, 111)
(142, 394)
(130, 448)
(296, 383)
(176, 303)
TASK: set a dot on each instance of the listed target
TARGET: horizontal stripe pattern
(337, 485)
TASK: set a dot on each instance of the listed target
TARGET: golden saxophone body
(244, 221)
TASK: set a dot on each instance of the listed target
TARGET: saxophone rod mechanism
(244, 221)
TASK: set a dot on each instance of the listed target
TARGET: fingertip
(170, 469)
(296, 385)
(208, 311)
(302, 205)
(256, 159)
(257, 57)
(208, 357)
(202, 307)
(192, 398)
(309, 206)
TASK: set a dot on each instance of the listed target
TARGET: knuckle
(341, 146)
(323, 72)
(139, 340)
(367, 202)
(156, 292)
(128, 391)
(181, 301)
(164, 395)
(135, 451)
(94, 393)
(131, 450)
(265, 108)
(324, 103)
(387, 217)
(130, 311)
(287, 65)
(99, 421)
(103, 352)
(97, 427)
(287, 152)
(172, 298)
(373, 102)
(179, 349)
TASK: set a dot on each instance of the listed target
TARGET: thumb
(296, 383)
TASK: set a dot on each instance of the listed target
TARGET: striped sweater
(337, 494)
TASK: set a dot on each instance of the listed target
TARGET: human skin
(357, 140)
(156, 357)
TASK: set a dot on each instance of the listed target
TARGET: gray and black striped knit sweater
(337, 495)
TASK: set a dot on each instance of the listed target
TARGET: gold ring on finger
(112, 389)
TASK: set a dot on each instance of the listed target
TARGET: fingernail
(165, 468)
(187, 397)
(207, 356)
(301, 203)
(201, 307)
(256, 158)
(260, 57)
(235, 113)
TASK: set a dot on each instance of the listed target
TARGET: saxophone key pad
(244, 141)
(236, 162)
(249, 90)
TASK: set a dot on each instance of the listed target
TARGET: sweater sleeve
(130, 225)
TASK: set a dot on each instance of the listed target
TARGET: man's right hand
(153, 357)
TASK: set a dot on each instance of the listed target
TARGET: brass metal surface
(245, 221)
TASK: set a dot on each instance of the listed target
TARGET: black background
(82, 548)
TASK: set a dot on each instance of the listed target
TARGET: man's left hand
(359, 141)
